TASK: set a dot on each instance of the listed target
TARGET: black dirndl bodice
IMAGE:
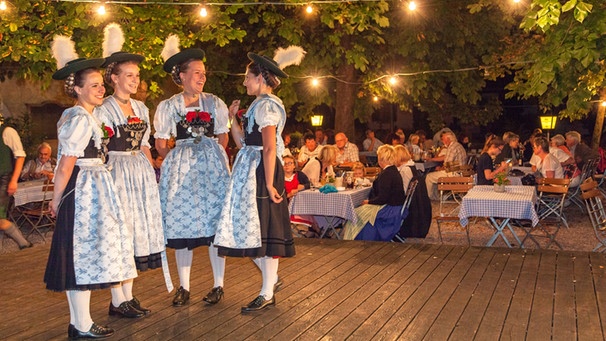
(128, 137)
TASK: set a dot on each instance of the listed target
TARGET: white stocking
(79, 302)
(218, 264)
(184, 259)
(127, 289)
(269, 271)
(117, 295)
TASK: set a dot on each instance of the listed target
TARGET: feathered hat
(64, 52)
(292, 55)
(113, 39)
(173, 56)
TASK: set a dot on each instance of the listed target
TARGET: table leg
(331, 223)
(499, 232)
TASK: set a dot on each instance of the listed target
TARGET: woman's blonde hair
(386, 154)
(402, 155)
(328, 154)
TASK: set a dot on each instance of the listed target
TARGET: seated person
(485, 167)
(347, 153)
(371, 143)
(379, 217)
(42, 166)
(309, 150)
(454, 154)
(157, 164)
(359, 176)
(319, 169)
(403, 162)
(547, 164)
(294, 181)
(511, 150)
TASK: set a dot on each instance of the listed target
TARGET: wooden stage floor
(343, 290)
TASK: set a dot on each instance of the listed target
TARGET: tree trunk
(599, 122)
(344, 101)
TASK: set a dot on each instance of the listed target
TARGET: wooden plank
(541, 314)
(400, 296)
(447, 319)
(598, 275)
(516, 322)
(472, 316)
(437, 299)
(587, 313)
(564, 328)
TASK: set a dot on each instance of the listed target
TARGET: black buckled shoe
(181, 297)
(125, 309)
(95, 332)
(278, 285)
(259, 303)
(214, 296)
(135, 303)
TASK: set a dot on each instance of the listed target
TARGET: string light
(315, 82)
(375, 98)
(393, 80)
(603, 103)
(2, 5)
(309, 9)
(101, 9)
(203, 12)
(412, 6)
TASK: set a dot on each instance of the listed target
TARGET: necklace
(123, 101)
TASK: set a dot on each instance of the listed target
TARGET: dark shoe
(181, 297)
(21, 247)
(135, 303)
(278, 285)
(95, 332)
(125, 309)
(259, 303)
(214, 296)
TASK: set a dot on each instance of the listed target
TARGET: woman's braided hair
(76, 79)
(177, 69)
(270, 79)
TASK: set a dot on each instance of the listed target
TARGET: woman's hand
(53, 208)
(365, 202)
(233, 108)
(274, 195)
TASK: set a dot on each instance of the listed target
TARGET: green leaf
(569, 5)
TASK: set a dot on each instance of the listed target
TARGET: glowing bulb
(101, 10)
(309, 9)
(376, 98)
(315, 82)
(604, 103)
(412, 6)
(2, 5)
(203, 12)
(393, 80)
(516, 1)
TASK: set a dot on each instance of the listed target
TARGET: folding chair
(574, 194)
(372, 171)
(552, 194)
(452, 189)
(466, 170)
(40, 217)
(593, 197)
(412, 186)
(601, 183)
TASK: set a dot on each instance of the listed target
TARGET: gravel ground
(579, 237)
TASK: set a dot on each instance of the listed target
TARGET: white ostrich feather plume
(113, 39)
(64, 50)
(171, 47)
(292, 55)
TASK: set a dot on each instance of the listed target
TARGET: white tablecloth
(31, 191)
(516, 202)
(422, 166)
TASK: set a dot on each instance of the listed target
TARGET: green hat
(268, 63)
(183, 56)
(77, 65)
(122, 57)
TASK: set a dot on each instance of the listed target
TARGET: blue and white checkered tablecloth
(341, 204)
(517, 202)
(31, 191)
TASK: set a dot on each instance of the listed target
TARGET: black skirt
(60, 274)
(189, 243)
(152, 261)
(276, 236)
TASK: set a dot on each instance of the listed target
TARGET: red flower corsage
(133, 120)
(241, 113)
(204, 116)
(108, 132)
(191, 116)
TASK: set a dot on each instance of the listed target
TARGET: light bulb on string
(603, 103)
(393, 80)
(315, 82)
(309, 9)
(101, 9)
(3, 6)
(516, 1)
(203, 12)
(375, 98)
(412, 6)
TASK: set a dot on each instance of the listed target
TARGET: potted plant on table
(500, 181)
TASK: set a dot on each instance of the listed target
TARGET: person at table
(310, 150)
(413, 146)
(42, 166)
(454, 154)
(359, 175)
(581, 152)
(130, 163)
(255, 219)
(548, 166)
(418, 221)
(319, 169)
(511, 149)
(347, 153)
(371, 143)
(195, 174)
(527, 146)
(400, 133)
(294, 180)
(321, 137)
(379, 216)
(157, 163)
(90, 249)
(558, 148)
(286, 152)
(10, 169)
(393, 139)
(486, 172)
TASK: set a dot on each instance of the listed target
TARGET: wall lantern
(316, 120)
